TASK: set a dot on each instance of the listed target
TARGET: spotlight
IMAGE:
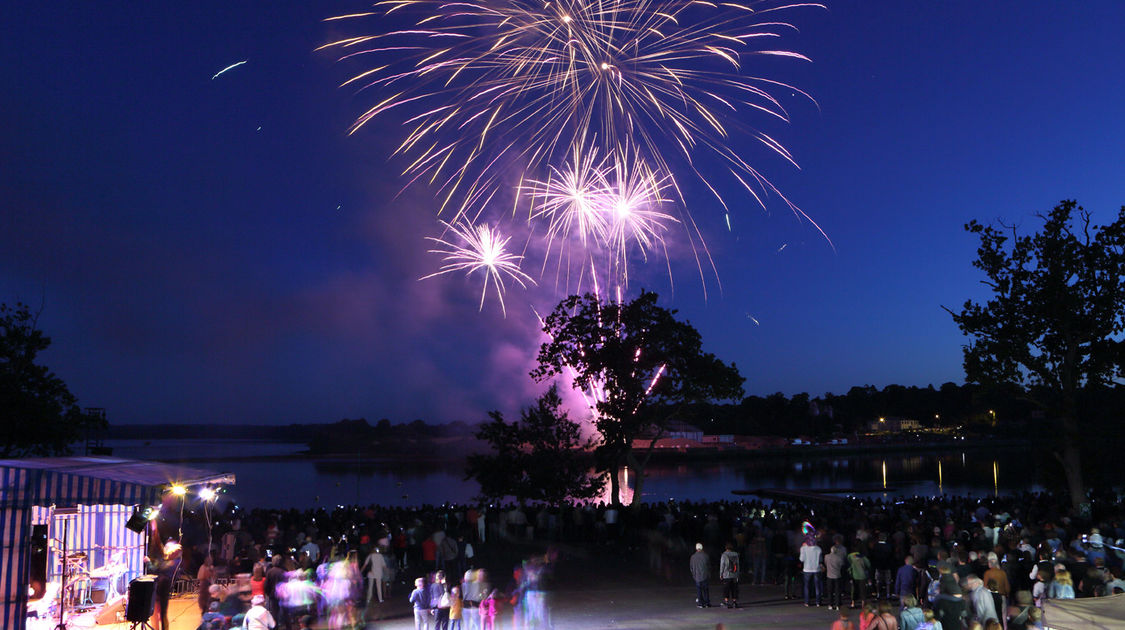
(179, 490)
(152, 512)
(136, 522)
(207, 494)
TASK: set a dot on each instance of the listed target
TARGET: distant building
(718, 439)
(894, 424)
(678, 429)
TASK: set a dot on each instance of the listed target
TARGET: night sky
(192, 267)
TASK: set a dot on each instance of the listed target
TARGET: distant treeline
(974, 408)
(335, 433)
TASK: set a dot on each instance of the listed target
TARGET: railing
(187, 586)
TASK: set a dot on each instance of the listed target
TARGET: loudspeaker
(142, 599)
(37, 576)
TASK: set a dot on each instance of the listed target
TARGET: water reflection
(310, 483)
(907, 475)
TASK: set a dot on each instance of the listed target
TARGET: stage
(183, 614)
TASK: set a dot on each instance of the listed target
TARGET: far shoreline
(659, 456)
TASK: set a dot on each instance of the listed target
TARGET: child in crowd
(455, 608)
(490, 610)
(866, 616)
(844, 622)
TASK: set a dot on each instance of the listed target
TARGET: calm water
(303, 483)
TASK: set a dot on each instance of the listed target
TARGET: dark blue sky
(193, 268)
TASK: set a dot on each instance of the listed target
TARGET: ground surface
(600, 588)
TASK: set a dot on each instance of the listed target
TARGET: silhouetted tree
(645, 365)
(1055, 318)
(542, 457)
(38, 414)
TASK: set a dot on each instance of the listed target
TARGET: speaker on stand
(141, 602)
(38, 573)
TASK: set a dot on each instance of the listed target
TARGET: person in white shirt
(810, 569)
(258, 617)
(375, 566)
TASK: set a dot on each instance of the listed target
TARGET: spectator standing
(728, 573)
(375, 567)
(883, 562)
(983, 606)
(906, 579)
(809, 558)
(834, 566)
(998, 575)
(860, 568)
(700, 565)
(420, 601)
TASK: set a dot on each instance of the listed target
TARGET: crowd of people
(910, 563)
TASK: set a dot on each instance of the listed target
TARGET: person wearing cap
(213, 619)
(700, 565)
(258, 617)
(1095, 548)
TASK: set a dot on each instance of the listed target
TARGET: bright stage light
(207, 494)
(179, 490)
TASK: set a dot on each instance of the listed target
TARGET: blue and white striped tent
(103, 490)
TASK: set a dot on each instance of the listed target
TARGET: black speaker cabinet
(37, 576)
(142, 599)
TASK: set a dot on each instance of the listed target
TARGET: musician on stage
(164, 561)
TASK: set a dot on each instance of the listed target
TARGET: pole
(65, 571)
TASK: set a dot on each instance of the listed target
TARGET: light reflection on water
(297, 482)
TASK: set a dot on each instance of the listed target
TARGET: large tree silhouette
(1054, 320)
(38, 414)
(638, 365)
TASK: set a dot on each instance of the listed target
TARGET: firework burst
(479, 248)
(654, 88)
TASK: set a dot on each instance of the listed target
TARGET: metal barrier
(184, 586)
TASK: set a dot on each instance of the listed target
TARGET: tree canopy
(638, 364)
(1055, 318)
(542, 457)
(38, 414)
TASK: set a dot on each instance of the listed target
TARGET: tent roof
(1085, 614)
(69, 480)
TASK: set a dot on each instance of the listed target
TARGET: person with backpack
(860, 568)
(728, 573)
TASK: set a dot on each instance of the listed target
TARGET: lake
(286, 480)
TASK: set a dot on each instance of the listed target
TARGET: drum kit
(80, 589)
